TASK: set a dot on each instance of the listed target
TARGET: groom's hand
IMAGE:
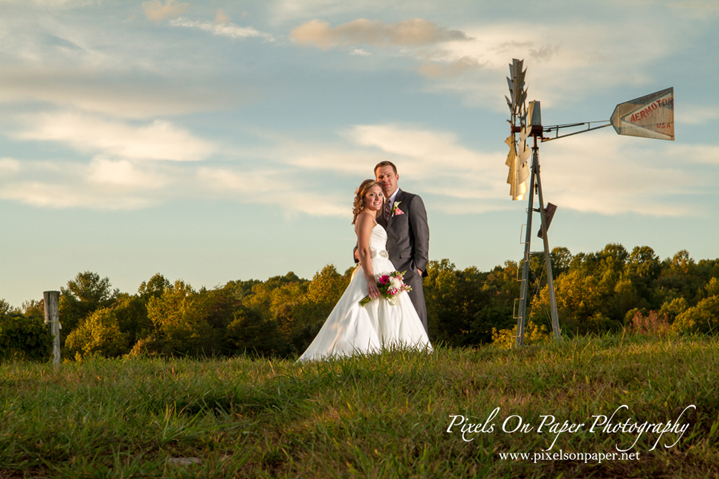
(419, 272)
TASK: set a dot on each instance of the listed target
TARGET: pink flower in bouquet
(390, 285)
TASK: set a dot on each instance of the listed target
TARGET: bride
(351, 328)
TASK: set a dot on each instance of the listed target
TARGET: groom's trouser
(417, 296)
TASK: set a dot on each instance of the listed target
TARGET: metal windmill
(650, 116)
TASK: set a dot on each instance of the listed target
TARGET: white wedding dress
(351, 328)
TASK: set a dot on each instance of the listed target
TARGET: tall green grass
(376, 416)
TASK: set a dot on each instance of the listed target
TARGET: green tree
(672, 309)
(192, 322)
(282, 301)
(599, 290)
(23, 338)
(241, 289)
(154, 287)
(501, 288)
(680, 278)
(178, 317)
(454, 300)
(34, 309)
(249, 333)
(5, 307)
(561, 260)
(611, 261)
(644, 263)
(327, 287)
(711, 288)
(643, 269)
(97, 334)
(311, 309)
(130, 312)
(84, 295)
(579, 298)
(703, 318)
(626, 296)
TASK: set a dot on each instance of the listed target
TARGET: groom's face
(387, 180)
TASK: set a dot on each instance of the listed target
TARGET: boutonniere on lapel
(395, 209)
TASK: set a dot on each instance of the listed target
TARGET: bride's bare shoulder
(364, 222)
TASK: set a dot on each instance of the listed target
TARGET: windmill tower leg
(547, 257)
(522, 318)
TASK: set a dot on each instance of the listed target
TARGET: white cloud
(696, 115)
(43, 39)
(292, 11)
(587, 174)
(101, 184)
(107, 184)
(702, 6)
(54, 4)
(117, 94)
(253, 183)
(49, 195)
(462, 180)
(341, 160)
(229, 30)
(156, 11)
(271, 187)
(123, 174)
(411, 33)
(584, 173)
(563, 61)
(360, 51)
(682, 154)
(432, 162)
(159, 140)
(431, 152)
(451, 69)
(592, 174)
(8, 167)
(221, 17)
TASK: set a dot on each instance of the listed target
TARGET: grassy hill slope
(377, 416)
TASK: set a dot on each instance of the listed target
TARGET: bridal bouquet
(390, 286)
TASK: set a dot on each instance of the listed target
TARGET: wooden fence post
(52, 317)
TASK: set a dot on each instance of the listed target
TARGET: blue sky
(214, 141)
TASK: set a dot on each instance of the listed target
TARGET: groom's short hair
(382, 164)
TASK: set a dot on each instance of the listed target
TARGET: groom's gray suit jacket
(408, 245)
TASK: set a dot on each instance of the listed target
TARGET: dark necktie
(387, 209)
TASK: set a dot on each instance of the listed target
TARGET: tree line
(596, 292)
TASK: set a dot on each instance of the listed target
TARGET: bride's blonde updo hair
(360, 193)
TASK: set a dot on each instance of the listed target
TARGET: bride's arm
(364, 230)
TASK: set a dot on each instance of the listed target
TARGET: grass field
(377, 416)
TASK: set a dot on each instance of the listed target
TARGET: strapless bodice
(378, 242)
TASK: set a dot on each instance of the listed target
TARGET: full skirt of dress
(351, 328)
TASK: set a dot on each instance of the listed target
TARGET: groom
(405, 220)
